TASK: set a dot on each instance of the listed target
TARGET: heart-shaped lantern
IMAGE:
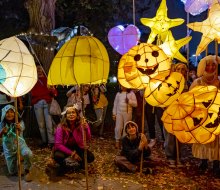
(122, 39)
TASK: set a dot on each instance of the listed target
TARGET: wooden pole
(134, 12)
(84, 139)
(142, 130)
(18, 147)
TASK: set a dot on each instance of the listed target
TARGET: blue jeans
(44, 120)
(100, 115)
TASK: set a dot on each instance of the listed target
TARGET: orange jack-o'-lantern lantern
(143, 62)
(162, 92)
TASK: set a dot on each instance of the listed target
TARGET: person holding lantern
(171, 142)
(100, 104)
(8, 129)
(124, 101)
(41, 97)
(69, 142)
(132, 146)
(207, 75)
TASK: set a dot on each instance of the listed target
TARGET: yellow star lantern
(81, 60)
(171, 47)
(160, 23)
(18, 73)
(210, 28)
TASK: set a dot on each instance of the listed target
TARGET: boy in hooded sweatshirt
(132, 146)
(9, 141)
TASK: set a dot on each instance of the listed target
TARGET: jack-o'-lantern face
(163, 92)
(143, 62)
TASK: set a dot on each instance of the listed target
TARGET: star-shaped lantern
(160, 24)
(171, 47)
(210, 28)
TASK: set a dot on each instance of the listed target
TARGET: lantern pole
(142, 130)
(134, 12)
(84, 138)
(216, 53)
(18, 147)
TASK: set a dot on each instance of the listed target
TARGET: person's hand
(77, 157)
(114, 117)
(4, 130)
(143, 138)
(18, 126)
(84, 123)
(141, 145)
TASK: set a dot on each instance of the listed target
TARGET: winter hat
(5, 109)
(130, 122)
(202, 64)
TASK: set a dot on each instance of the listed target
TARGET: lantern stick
(18, 147)
(216, 53)
(142, 130)
(84, 138)
(134, 12)
(187, 46)
(177, 151)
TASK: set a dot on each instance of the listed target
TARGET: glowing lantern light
(195, 7)
(163, 92)
(143, 62)
(81, 60)
(160, 23)
(18, 72)
(194, 116)
(210, 28)
(122, 39)
(171, 47)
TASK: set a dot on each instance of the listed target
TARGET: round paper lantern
(81, 60)
(143, 62)
(162, 93)
(121, 72)
(122, 39)
(194, 116)
(18, 72)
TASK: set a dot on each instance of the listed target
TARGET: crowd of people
(70, 137)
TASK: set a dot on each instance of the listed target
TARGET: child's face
(10, 115)
(131, 129)
(210, 67)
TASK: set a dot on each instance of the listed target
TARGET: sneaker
(172, 163)
(152, 143)
(27, 177)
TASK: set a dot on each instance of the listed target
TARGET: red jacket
(41, 92)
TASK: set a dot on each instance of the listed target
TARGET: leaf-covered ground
(103, 174)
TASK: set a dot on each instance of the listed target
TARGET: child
(8, 134)
(124, 102)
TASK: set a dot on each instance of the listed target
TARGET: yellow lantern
(143, 62)
(160, 24)
(163, 92)
(18, 73)
(210, 28)
(81, 60)
(194, 116)
(121, 72)
(171, 47)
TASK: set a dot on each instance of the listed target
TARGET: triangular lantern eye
(210, 114)
(196, 121)
(207, 104)
(169, 85)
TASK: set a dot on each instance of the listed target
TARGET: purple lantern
(122, 39)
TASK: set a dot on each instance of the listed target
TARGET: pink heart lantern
(122, 39)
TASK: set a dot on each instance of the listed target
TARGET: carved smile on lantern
(148, 70)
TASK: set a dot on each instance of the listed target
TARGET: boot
(27, 176)
(203, 166)
(216, 170)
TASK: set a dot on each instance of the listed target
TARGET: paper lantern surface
(171, 47)
(210, 28)
(122, 39)
(160, 23)
(81, 60)
(194, 116)
(162, 93)
(18, 73)
(143, 62)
